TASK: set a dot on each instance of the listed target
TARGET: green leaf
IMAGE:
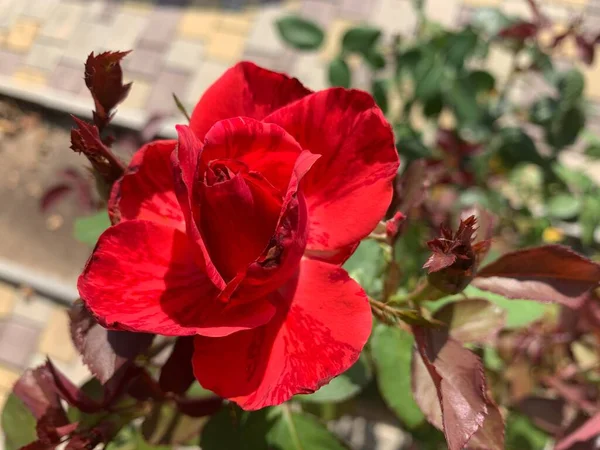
(18, 424)
(391, 348)
(366, 265)
(379, 89)
(523, 435)
(428, 76)
(360, 39)
(300, 33)
(593, 151)
(433, 106)
(543, 110)
(232, 429)
(407, 61)
(481, 81)
(563, 206)
(343, 387)
(515, 146)
(571, 85)
(460, 46)
(298, 431)
(410, 143)
(565, 127)
(339, 73)
(88, 229)
(130, 438)
(375, 59)
(590, 217)
(520, 312)
(462, 97)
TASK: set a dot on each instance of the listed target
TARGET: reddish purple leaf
(453, 144)
(53, 196)
(86, 139)
(551, 273)
(177, 374)
(107, 353)
(104, 79)
(589, 430)
(472, 320)
(450, 388)
(585, 49)
(547, 414)
(71, 393)
(199, 407)
(88, 439)
(521, 31)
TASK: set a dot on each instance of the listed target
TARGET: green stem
(287, 415)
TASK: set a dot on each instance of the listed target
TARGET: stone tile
(311, 71)
(498, 62)
(30, 76)
(198, 23)
(8, 297)
(8, 378)
(144, 61)
(332, 45)
(395, 16)
(444, 12)
(357, 9)
(18, 340)
(125, 30)
(238, 22)
(137, 6)
(592, 81)
(39, 9)
(67, 77)
(138, 95)
(225, 47)
(169, 82)
(482, 3)
(44, 56)
(55, 340)
(36, 309)
(63, 20)
(263, 35)
(207, 74)
(320, 11)
(87, 37)
(9, 62)
(185, 55)
(160, 28)
(21, 35)
(10, 12)
(577, 4)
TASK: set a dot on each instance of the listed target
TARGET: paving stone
(357, 9)
(143, 61)
(160, 28)
(8, 378)
(263, 35)
(125, 30)
(592, 81)
(9, 62)
(18, 340)
(8, 298)
(87, 37)
(444, 12)
(36, 309)
(185, 55)
(169, 82)
(55, 340)
(10, 12)
(311, 71)
(225, 47)
(20, 37)
(395, 16)
(67, 77)
(63, 20)
(320, 11)
(238, 22)
(498, 63)
(138, 95)
(207, 74)
(332, 45)
(39, 9)
(138, 6)
(31, 77)
(44, 56)
(198, 23)
(482, 3)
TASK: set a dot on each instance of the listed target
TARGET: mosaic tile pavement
(181, 46)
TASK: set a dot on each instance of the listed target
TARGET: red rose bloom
(235, 234)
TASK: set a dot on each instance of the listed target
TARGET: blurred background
(48, 212)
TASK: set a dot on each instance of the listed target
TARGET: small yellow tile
(21, 35)
(198, 23)
(335, 31)
(138, 95)
(56, 339)
(576, 4)
(225, 47)
(8, 378)
(236, 22)
(30, 76)
(8, 296)
(592, 80)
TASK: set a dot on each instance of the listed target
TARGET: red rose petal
(244, 90)
(142, 277)
(350, 187)
(301, 349)
(146, 191)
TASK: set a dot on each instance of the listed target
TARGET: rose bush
(236, 232)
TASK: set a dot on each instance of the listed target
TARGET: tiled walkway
(180, 46)
(184, 45)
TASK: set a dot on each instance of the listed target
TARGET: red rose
(236, 232)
